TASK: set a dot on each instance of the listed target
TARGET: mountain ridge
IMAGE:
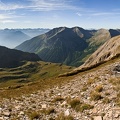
(70, 46)
(13, 58)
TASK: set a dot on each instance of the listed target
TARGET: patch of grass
(85, 106)
(106, 100)
(115, 81)
(84, 88)
(99, 88)
(48, 111)
(107, 93)
(79, 106)
(90, 81)
(58, 98)
(95, 96)
(74, 103)
(34, 115)
(63, 117)
(118, 99)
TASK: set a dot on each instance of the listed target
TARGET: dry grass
(63, 117)
(99, 88)
(95, 96)
(30, 78)
(79, 106)
(58, 99)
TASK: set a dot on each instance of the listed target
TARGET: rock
(44, 106)
(59, 94)
(72, 97)
(6, 113)
(94, 111)
(21, 113)
(98, 118)
(67, 112)
(17, 107)
(64, 103)
(116, 115)
(1, 118)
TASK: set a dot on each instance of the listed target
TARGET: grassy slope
(30, 77)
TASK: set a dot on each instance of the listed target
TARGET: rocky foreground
(91, 96)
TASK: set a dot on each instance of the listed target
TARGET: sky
(89, 14)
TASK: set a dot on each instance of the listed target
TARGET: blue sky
(55, 13)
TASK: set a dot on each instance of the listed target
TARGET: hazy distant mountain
(71, 46)
(34, 32)
(13, 58)
(13, 37)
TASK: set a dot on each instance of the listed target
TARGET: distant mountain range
(13, 37)
(12, 58)
(70, 46)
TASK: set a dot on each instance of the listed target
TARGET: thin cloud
(49, 5)
(39, 5)
(104, 13)
(8, 21)
(79, 14)
(6, 6)
(3, 16)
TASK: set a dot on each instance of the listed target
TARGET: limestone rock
(98, 118)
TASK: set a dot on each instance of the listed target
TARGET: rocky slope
(93, 95)
(13, 58)
(107, 51)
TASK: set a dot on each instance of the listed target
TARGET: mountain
(10, 37)
(60, 45)
(13, 58)
(70, 46)
(107, 51)
(13, 37)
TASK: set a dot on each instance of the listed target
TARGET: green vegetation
(30, 77)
